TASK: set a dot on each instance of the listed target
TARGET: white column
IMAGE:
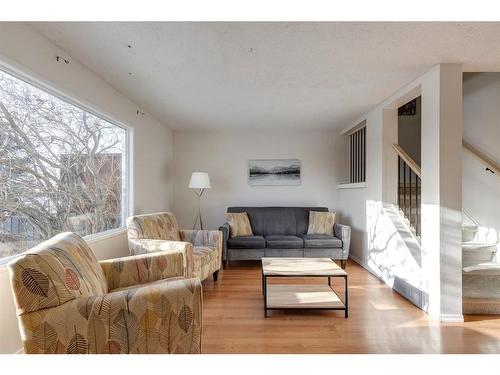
(442, 190)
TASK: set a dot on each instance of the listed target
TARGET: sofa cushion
(321, 241)
(321, 223)
(284, 242)
(246, 242)
(239, 224)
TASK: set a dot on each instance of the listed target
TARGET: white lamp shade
(199, 180)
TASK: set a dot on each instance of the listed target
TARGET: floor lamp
(199, 182)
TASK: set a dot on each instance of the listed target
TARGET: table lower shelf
(303, 297)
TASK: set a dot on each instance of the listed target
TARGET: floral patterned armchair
(202, 249)
(68, 302)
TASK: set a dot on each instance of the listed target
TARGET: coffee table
(302, 296)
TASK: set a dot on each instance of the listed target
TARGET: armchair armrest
(208, 238)
(212, 238)
(144, 246)
(344, 233)
(160, 318)
(143, 268)
(225, 229)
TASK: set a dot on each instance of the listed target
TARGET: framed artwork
(274, 172)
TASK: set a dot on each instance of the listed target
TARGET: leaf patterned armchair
(202, 249)
(68, 302)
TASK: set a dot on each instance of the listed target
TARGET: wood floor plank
(380, 320)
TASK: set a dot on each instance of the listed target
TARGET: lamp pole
(199, 183)
(199, 193)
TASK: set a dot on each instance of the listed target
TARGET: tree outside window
(61, 168)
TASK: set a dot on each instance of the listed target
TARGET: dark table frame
(345, 301)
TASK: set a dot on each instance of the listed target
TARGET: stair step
(484, 306)
(487, 268)
(481, 281)
(468, 232)
(477, 246)
(474, 253)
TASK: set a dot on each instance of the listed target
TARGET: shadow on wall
(394, 254)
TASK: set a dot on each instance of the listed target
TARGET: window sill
(358, 185)
(91, 238)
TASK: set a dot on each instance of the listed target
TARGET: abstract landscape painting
(274, 172)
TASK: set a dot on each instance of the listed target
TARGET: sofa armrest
(143, 268)
(160, 318)
(224, 228)
(344, 233)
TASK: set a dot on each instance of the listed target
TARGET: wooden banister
(408, 160)
(491, 164)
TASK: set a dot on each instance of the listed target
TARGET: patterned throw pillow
(321, 222)
(239, 224)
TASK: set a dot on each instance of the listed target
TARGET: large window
(62, 168)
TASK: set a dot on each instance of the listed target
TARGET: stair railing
(490, 164)
(409, 188)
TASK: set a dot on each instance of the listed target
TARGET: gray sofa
(282, 232)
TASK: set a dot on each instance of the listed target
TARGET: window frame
(65, 96)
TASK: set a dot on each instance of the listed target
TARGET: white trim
(357, 185)
(96, 237)
(451, 318)
(353, 129)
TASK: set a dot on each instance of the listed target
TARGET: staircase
(480, 272)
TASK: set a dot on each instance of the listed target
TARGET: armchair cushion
(156, 318)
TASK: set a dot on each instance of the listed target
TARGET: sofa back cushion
(54, 272)
(286, 221)
(157, 226)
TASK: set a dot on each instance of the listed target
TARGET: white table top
(301, 267)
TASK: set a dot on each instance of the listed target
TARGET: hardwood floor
(380, 321)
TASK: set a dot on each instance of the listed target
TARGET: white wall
(481, 189)
(225, 154)
(24, 50)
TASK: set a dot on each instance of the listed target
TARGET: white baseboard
(451, 318)
(365, 266)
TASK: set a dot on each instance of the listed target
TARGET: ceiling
(243, 75)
